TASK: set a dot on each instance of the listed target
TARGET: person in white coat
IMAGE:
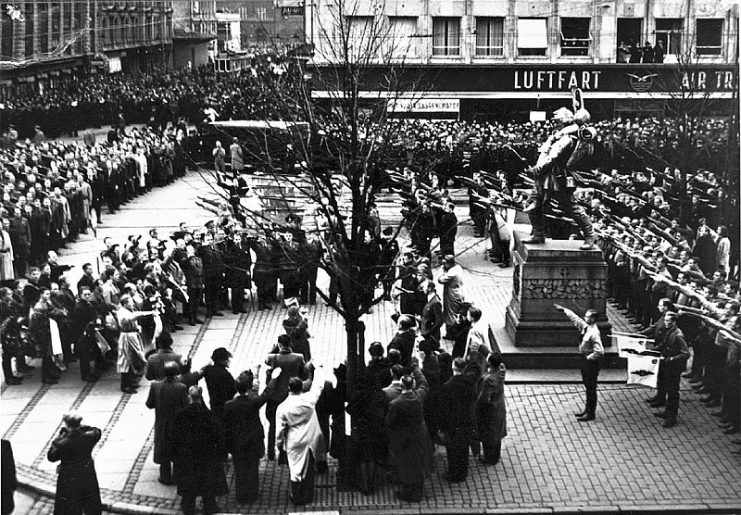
(6, 253)
(301, 437)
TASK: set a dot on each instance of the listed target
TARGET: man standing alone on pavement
(591, 351)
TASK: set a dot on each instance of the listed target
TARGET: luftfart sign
(547, 79)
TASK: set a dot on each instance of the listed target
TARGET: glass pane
(532, 33)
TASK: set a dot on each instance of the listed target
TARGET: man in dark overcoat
(407, 439)
(458, 404)
(167, 398)
(245, 437)
(237, 263)
(77, 482)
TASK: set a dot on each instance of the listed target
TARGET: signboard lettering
(553, 80)
(424, 105)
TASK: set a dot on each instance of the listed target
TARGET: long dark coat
(237, 263)
(491, 410)
(77, 482)
(196, 442)
(167, 398)
(407, 438)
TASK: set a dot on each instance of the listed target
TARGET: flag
(633, 346)
(643, 370)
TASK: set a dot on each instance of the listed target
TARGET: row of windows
(532, 34)
(128, 30)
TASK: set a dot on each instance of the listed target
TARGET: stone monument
(558, 271)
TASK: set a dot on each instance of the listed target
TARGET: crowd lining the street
(664, 256)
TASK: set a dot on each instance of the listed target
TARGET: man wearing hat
(221, 386)
(77, 482)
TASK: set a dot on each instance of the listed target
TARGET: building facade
(42, 42)
(488, 56)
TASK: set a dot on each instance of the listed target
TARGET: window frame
(579, 48)
(447, 50)
(718, 47)
(530, 51)
(490, 49)
(671, 37)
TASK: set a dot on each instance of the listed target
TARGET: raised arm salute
(591, 350)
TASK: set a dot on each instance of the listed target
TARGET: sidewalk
(624, 461)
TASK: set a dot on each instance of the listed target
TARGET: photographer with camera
(77, 482)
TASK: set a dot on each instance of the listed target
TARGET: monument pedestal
(556, 272)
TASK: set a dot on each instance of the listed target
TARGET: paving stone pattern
(550, 462)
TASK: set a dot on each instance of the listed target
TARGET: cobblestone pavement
(623, 461)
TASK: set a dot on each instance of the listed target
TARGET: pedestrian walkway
(623, 461)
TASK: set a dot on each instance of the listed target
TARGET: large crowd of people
(671, 265)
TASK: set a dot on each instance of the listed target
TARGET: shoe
(192, 322)
(50, 380)
(695, 380)
(235, 312)
(702, 390)
(586, 418)
(660, 414)
(164, 481)
(587, 245)
(658, 404)
(707, 399)
(24, 369)
(199, 321)
(580, 414)
(670, 422)
(217, 314)
(688, 375)
(720, 413)
(486, 462)
(504, 265)
(534, 240)
(130, 391)
(651, 400)
(178, 327)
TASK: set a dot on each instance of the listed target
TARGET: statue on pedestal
(559, 156)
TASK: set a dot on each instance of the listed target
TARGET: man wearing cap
(167, 398)
(77, 482)
(220, 383)
(674, 354)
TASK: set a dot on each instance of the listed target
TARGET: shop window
(575, 36)
(489, 36)
(446, 36)
(532, 36)
(709, 37)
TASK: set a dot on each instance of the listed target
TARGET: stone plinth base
(556, 272)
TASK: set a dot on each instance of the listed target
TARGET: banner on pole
(643, 370)
(633, 346)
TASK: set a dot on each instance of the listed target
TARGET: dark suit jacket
(432, 318)
(244, 431)
(221, 386)
(156, 363)
(292, 365)
(458, 399)
(167, 398)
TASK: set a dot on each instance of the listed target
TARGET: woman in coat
(196, 445)
(453, 298)
(491, 410)
(77, 482)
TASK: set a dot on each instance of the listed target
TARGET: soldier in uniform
(311, 257)
(213, 274)
(264, 273)
(237, 263)
(560, 154)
